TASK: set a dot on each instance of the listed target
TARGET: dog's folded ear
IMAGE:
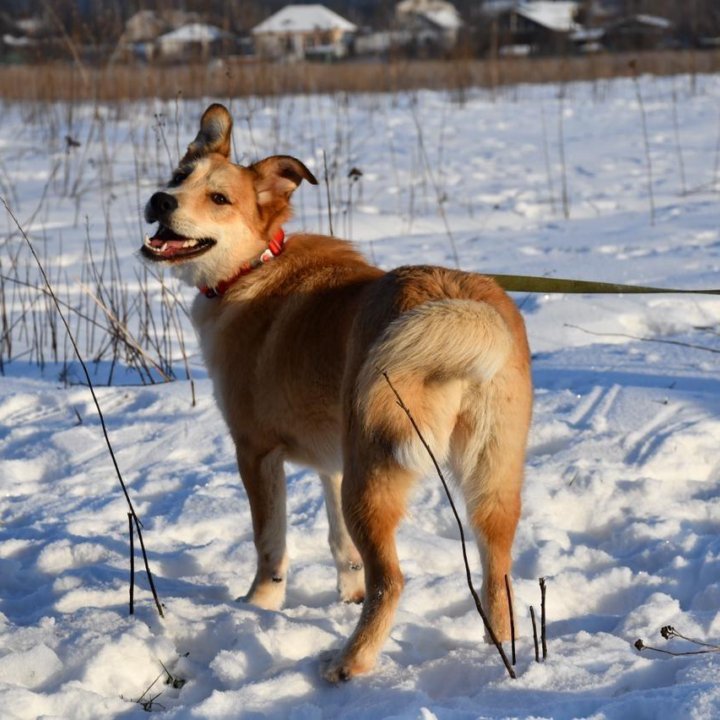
(214, 135)
(278, 176)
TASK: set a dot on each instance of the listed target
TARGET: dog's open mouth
(168, 245)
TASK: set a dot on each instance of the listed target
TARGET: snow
(304, 18)
(622, 497)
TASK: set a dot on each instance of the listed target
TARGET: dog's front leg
(264, 481)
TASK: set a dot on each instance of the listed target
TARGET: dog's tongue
(164, 235)
(167, 243)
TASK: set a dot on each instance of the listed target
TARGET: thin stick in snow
(561, 150)
(327, 192)
(96, 402)
(132, 564)
(646, 140)
(512, 618)
(535, 635)
(543, 636)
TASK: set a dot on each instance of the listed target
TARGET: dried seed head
(639, 644)
(668, 631)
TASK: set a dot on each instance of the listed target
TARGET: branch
(643, 339)
(94, 398)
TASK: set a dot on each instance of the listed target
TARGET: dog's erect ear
(214, 136)
(278, 177)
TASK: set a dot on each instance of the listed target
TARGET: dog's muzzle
(166, 244)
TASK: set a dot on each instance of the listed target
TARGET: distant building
(299, 32)
(639, 32)
(421, 28)
(139, 39)
(196, 41)
(535, 26)
(434, 25)
(24, 39)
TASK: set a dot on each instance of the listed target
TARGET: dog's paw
(266, 595)
(355, 598)
(333, 669)
(341, 666)
(351, 584)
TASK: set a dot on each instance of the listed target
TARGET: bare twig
(543, 634)
(94, 398)
(678, 145)
(327, 192)
(121, 330)
(468, 574)
(535, 634)
(132, 564)
(512, 618)
(668, 631)
(640, 646)
(561, 149)
(646, 140)
(643, 339)
(147, 704)
(440, 196)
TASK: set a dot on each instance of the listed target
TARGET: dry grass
(71, 82)
(131, 324)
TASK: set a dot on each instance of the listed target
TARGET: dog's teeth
(147, 240)
(189, 243)
(163, 247)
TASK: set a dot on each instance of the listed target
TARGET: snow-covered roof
(654, 21)
(441, 13)
(446, 19)
(304, 18)
(558, 16)
(194, 32)
(12, 41)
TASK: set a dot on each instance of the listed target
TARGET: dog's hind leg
(494, 519)
(374, 498)
(487, 456)
(264, 481)
(351, 581)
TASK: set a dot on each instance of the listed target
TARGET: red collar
(274, 248)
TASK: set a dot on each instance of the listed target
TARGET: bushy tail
(426, 352)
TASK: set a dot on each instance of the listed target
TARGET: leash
(535, 284)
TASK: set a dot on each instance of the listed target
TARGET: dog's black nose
(163, 203)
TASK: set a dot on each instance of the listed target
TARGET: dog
(301, 336)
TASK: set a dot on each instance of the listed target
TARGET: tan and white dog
(296, 336)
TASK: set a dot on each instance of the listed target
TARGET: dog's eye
(177, 178)
(219, 199)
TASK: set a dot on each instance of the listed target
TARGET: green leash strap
(534, 284)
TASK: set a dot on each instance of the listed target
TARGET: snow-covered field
(622, 497)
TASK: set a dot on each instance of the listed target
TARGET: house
(299, 32)
(27, 38)
(638, 32)
(195, 41)
(534, 26)
(433, 25)
(139, 39)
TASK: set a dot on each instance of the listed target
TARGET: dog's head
(214, 215)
